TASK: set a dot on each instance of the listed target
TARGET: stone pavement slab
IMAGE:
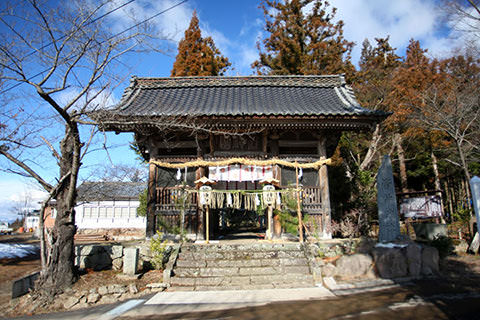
(239, 296)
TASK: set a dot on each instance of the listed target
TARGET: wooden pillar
(299, 211)
(200, 172)
(326, 232)
(269, 233)
(151, 200)
(207, 229)
(265, 141)
(274, 148)
(277, 225)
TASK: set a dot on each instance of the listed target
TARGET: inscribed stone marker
(388, 220)
(130, 261)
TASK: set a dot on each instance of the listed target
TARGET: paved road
(427, 299)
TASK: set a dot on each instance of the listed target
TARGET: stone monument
(388, 220)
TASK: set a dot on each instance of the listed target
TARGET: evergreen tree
(198, 56)
(360, 151)
(372, 86)
(303, 40)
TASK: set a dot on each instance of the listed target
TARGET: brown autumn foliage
(198, 56)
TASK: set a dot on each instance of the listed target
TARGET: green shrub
(158, 250)
(142, 208)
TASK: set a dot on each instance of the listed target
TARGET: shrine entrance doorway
(239, 218)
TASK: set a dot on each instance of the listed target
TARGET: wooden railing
(167, 200)
(312, 200)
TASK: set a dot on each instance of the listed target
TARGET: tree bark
(59, 272)
(465, 170)
(401, 162)
(437, 184)
(372, 148)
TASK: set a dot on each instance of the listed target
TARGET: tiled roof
(240, 96)
(105, 191)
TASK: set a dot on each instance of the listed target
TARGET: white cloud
(402, 20)
(170, 24)
(17, 192)
(221, 41)
(96, 100)
(248, 54)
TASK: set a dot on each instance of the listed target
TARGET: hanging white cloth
(179, 174)
(229, 200)
(257, 200)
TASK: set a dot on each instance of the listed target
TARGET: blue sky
(236, 26)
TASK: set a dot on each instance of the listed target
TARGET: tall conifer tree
(198, 56)
(303, 39)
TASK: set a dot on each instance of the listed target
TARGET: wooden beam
(297, 143)
(176, 144)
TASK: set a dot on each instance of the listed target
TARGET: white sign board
(240, 172)
(421, 207)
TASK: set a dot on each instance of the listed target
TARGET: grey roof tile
(104, 191)
(240, 96)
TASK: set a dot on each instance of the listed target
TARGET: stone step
(236, 270)
(239, 255)
(241, 266)
(241, 263)
(279, 280)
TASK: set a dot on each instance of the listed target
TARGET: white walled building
(104, 206)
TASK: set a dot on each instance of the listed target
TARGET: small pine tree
(198, 56)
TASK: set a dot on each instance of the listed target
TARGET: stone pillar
(388, 220)
(151, 200)
(326, 228)
(130, 261)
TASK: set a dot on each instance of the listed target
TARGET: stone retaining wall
(116, 234)
(358, 259)
(110, 256)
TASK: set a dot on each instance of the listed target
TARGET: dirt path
(12, 269)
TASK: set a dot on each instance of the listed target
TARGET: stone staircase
(241, 267)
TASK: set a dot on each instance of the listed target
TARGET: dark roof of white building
(106, 191)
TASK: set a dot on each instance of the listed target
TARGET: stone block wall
(110, 256)
(364, 259)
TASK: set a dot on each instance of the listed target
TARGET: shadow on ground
(452, 295)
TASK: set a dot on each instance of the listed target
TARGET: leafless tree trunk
(452, 108)
(77, 55)
(401, 162)
(372, 148)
